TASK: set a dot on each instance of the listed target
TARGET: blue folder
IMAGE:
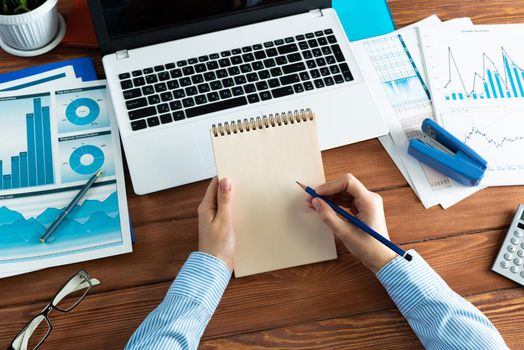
(84, 69)
(364, 19)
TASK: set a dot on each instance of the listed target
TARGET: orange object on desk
(80, 31)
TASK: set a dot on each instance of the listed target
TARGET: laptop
(175, 68)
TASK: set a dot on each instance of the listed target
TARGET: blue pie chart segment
(86, 160)
(82, 111)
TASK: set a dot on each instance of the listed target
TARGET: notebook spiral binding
(278, 119)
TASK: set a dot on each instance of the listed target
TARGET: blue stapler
(457, 160)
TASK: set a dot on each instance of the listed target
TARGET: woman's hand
(216, 235)
(365, 205)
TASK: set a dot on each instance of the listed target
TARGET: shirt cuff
(409, 282)
(203, 278)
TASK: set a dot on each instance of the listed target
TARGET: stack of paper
(393, 65)
(55, 133)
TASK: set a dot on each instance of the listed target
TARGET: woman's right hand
(365, 205)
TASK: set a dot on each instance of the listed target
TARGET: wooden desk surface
(331, 305)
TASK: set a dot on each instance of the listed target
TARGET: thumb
(225, 199)
(329, 217)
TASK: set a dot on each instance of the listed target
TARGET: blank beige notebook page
(275, 229)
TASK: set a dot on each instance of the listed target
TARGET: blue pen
(359, 224)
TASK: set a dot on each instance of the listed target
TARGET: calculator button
(520, 253)
(514, 269)
(517, 261)
(508, 256)
(515, 240)
(522, 245)
(512, 249)
(517, 233)
(504, 264)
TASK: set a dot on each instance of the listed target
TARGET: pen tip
(298, 183)
(99, 172)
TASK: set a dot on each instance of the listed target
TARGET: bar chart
(490, 84)
(32, 165)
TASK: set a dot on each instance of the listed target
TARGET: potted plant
(29, 25)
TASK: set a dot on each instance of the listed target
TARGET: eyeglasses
(68, 297)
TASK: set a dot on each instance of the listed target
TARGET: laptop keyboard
(190, 88)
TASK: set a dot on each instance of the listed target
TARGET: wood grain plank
(329, 290)
(376, 330)
(481, 12)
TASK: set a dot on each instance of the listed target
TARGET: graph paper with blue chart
(52, 143)
(81, 109)
(476, 78)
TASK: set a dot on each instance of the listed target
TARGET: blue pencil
(355, 221)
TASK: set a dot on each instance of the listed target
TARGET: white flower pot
(31, 30)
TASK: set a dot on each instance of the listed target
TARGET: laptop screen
(124, 17)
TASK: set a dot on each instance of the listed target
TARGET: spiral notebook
(263, 157)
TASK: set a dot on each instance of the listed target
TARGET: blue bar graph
(24, 175)
(33, 167)
(15, 172)
(495, 83)
(48, 152)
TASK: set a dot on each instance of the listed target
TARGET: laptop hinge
(316, 13)
(122, 55)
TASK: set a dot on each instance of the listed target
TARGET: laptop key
(188, 102)
(153, 100)
(273, 83)
(163, 108)
(269, 63)
(163, 76)
(247, 49)
(312, 43)
(191, 90)
(179, 115)
(221, 73)
(142, 113)
(173, 84)
(321, 61)
(203, 88)
(209, 76)
(169, 66)
(322, 41)
(134, 93)
(285, 49)
(284, 91)
(293, 68)
(176, 73)
(197, 79)
(328, 31)
(192, 61)
(339, 56)
(151, 79)
(148, 70)
(314, 73)
(257, 65)
(324, 71)
(216, 106)
(226, 93)
(253, 98)
(326, 50)
(200, 99)
(300, 37)
(298, 88)
(308, 86)
(289, 40)
(160, 87)
(159, 68)
(329, 81)
(153, 121)
(236, 60)
(319, 83)
(290, 79)
(138, 125)
(137, 103)
(239, 80)
(214, 56)
(275, 72)
(234, 70)
(181, 63)
(200, 68)
(265, 95)
(311, 64)
(332, 39)
(166, 118)
(225, 53)
(257, 47)
(213, 96)
(331, 59)
(148, 90)
(262, 85)
(139, 81)
(304, 76)
(339, 79)
(316, 52)
(348, 76)
(293, 57)
(216, 85)
(260, 55)
(251, 77)
(281, 60)
(271, 52)
(124, 76)
(228, 82)
(203, 58)
(248, 57)
(237, 91)
(319, 33)
(185, 81)
(188, 70)
(268, 44)
(166, 96)
(236, 52)
(179, 93)
(175, 105)
(264, 74)
(225, 62)
(344, 67)
(279, 42)
(212, 65)
(310, 35)
(246, 68)
(137, 73)
(334, 69)
(250, 88)
(303, 45)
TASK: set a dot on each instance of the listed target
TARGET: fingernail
(316, 204)
(225, 185)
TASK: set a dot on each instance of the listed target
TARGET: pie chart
(86, 160)
(82, 111)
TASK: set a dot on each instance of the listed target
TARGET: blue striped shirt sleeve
(441, 318)
(180, 320)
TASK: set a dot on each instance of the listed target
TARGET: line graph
(495, 83)
(475, 131)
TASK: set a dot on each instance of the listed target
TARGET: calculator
(510, 260)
